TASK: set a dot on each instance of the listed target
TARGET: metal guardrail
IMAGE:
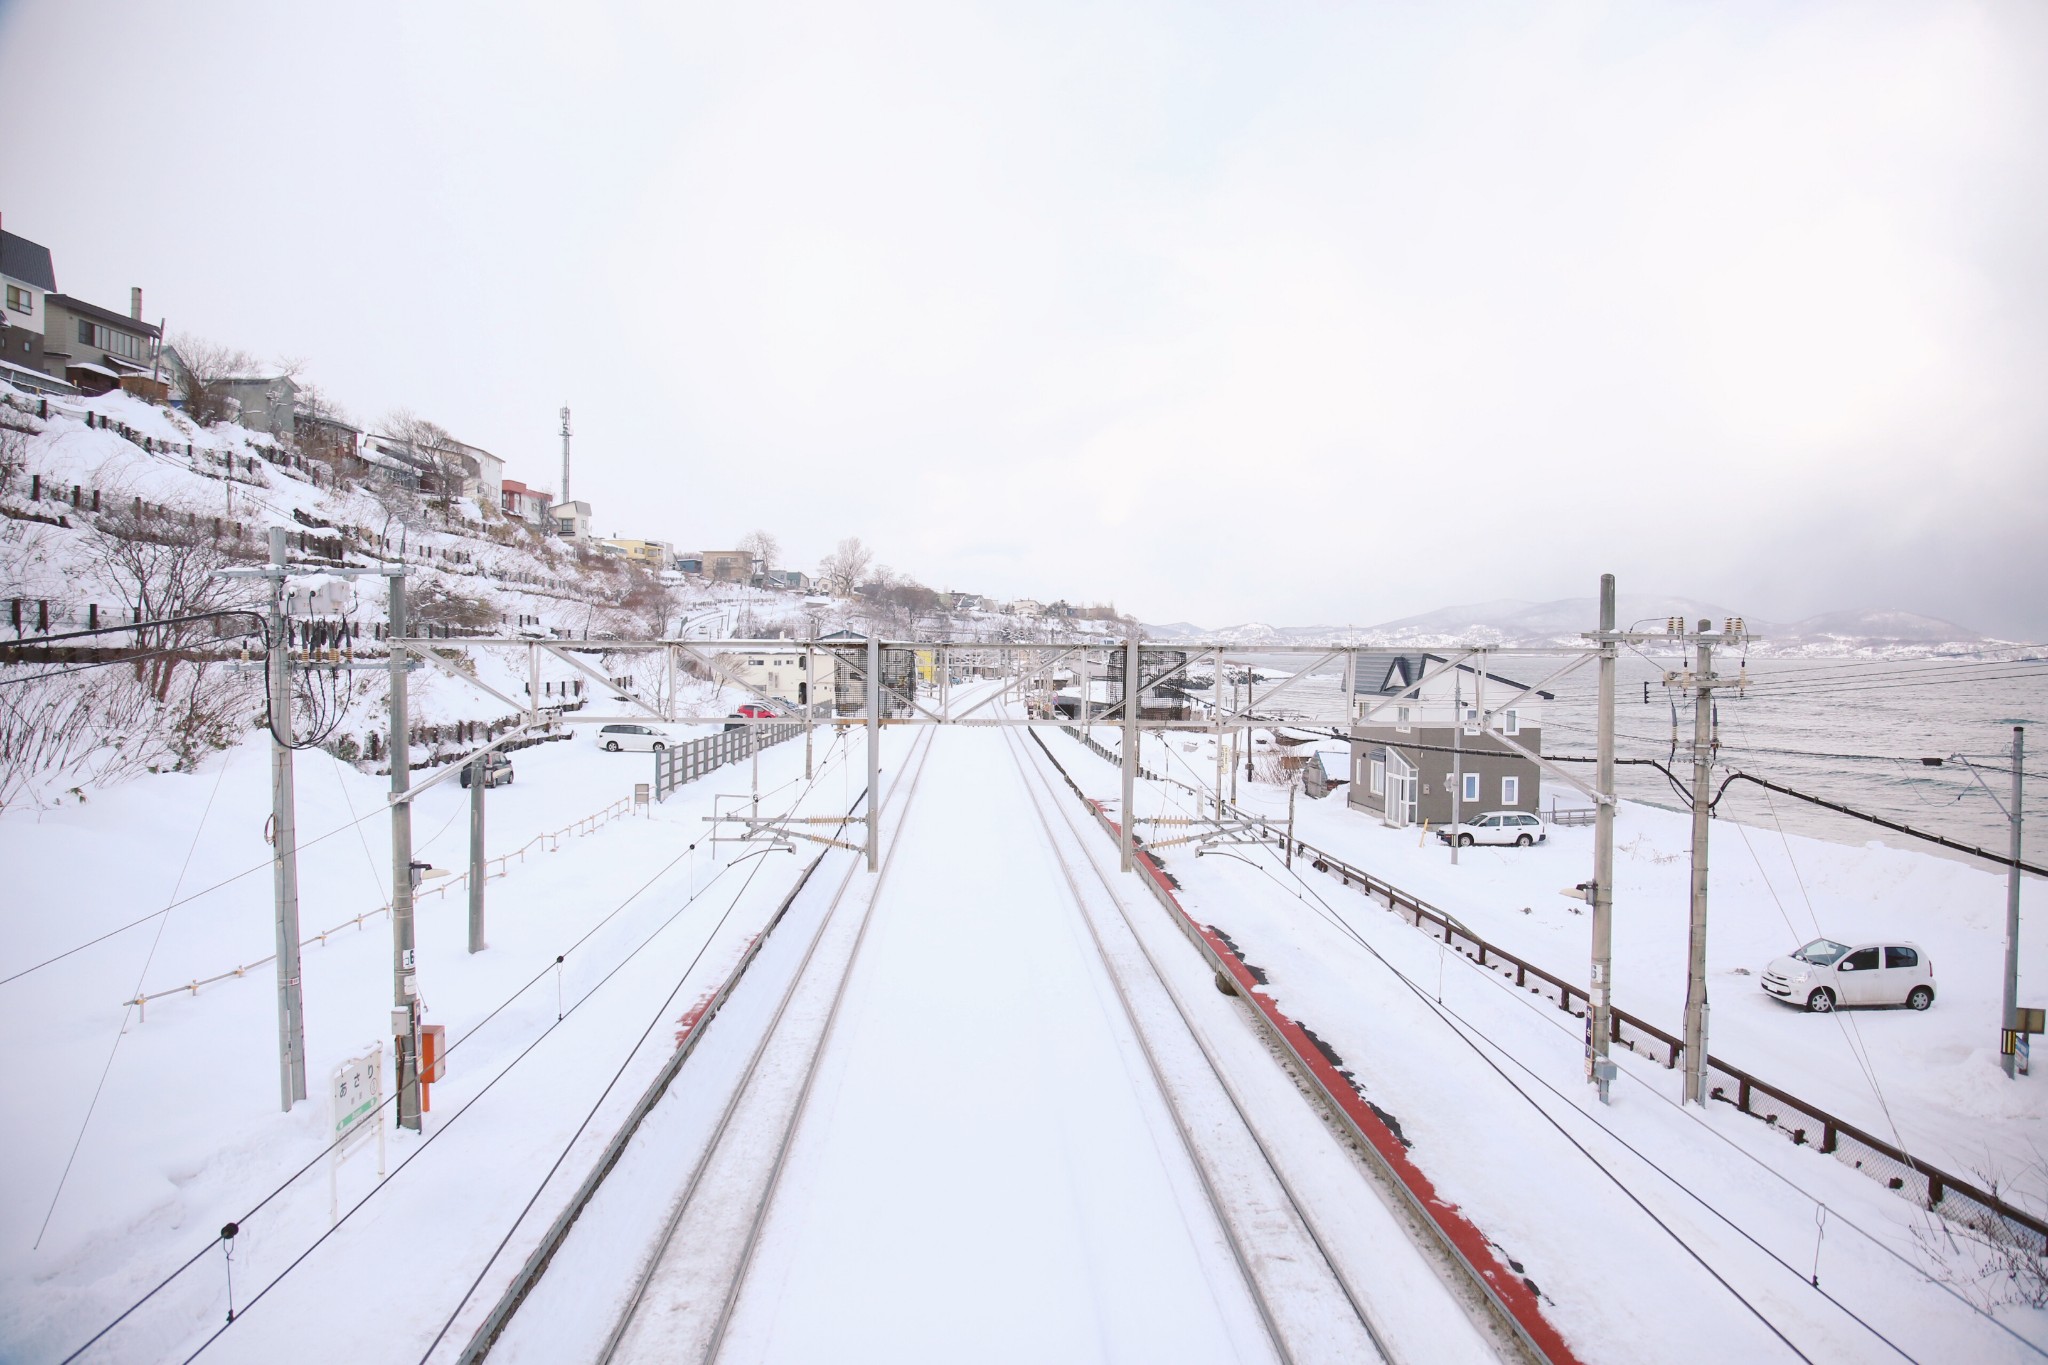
(1803, 1123)
(689, 761)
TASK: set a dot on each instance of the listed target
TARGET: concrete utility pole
(405, 1011)
(810, 700)
(2012, 904)
(1457, 762)
(479, 782)
(874, 753)
(1599, 1002)
(1696, 943)
(291, 1005)
(1133, 693)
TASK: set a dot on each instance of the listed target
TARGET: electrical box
(433, 1040)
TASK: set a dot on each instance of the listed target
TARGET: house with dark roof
(1434, 742)
(27, 279)
(96, 347)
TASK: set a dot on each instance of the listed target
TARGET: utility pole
(1457, 762)
(874, 751)
(405, 1008)
(810, 699)
(1132, 695)
(2012, 906)
(1704, 683)
(1696, 942)
(1599, 1002)
(291, 1012)
(479, 782)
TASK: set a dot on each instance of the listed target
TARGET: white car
(644, 738)
(1498, 827)
(1825, 974)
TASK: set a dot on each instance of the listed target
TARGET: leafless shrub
(435, 604)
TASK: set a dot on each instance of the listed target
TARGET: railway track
(736, 1261)
(1307, 1304)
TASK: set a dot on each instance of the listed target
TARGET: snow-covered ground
(1474, 1111)
(175, 1119)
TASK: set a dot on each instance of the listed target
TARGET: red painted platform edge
(1512, 1291)
(693, 1016)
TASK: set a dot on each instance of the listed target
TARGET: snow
(186, 1132)
(1337, 960)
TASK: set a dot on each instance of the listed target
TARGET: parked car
(752, 710)
(1499, 827)
(497, 771)
(1825, 974)
(645, 738)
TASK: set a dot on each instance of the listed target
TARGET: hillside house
(530, 505)
(93, 347)
(655, 554)
(1413, 712)
(27, 278)
(728, 566)
(572, 519)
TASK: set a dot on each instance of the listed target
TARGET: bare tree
(315, 433)
(846, 568)
(201, 373)
(429, 447)
(160, 571)
(764, 548)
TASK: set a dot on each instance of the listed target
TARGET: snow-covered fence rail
(550, 842)
(688, 762)
(1802, 1122)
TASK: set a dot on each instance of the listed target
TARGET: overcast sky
(1284, 312)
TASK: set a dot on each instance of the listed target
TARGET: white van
(1824, 974)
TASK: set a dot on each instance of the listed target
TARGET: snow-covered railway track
(1308, 1306)
(684, 1294)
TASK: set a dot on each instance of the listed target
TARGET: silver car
(1499, 827)
(1825, 974)
(644, 738)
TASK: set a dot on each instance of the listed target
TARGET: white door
(1400, 798)
(1858, 978)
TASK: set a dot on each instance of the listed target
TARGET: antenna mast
(565, 454)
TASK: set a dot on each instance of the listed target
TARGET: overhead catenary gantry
(1135, 685)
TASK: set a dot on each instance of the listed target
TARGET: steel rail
(1030, 771)
(803, 1098)
(684, 1199)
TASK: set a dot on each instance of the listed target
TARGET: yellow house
(655, 554)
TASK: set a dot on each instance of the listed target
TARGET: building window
(1401, 719)
(1510, 791)
(1471, 786)
(107, 339)
(1512, 722)
(20, 300)
(1379, 777)
(1471, 720)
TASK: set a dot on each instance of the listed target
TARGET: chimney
(135, 303)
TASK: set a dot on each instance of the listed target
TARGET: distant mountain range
(1513, 622)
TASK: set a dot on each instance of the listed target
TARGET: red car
(752, 710)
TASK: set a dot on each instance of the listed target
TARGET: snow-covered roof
(88, 366)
